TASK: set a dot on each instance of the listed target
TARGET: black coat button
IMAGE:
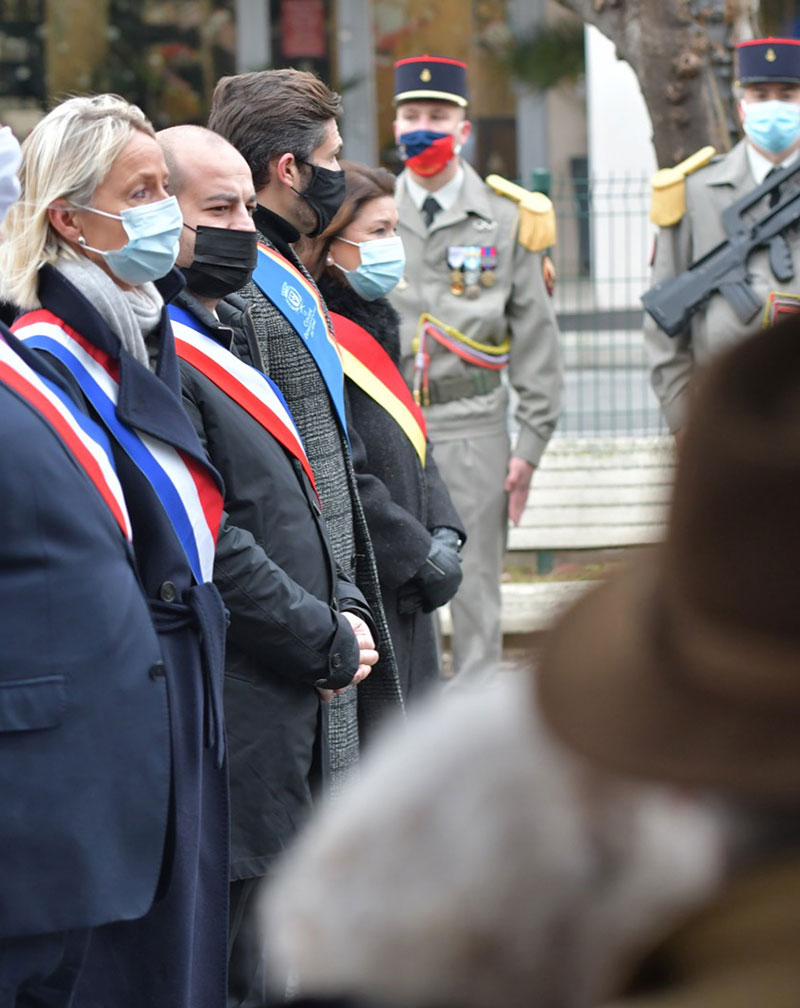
(336, 661)
(158, 671)
(168, 592)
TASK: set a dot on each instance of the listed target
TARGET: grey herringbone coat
(292, 368)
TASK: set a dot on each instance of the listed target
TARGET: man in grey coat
(283, 122)
(769, 108)
(474, 266)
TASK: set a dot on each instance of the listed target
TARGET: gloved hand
(440, 575)
(409, 598)
(447, 537)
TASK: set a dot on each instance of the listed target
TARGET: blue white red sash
(300, 303)
(188, 494)
(249, 388)
(85, 441)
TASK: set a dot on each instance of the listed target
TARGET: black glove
(447, 537)
(440, 575)
(409, 598)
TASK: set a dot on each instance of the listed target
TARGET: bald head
(188, 151)
(212, 183)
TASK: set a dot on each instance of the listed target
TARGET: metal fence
(604, 242)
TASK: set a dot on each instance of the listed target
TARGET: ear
(465, 129)
(287, 170)
(740, 109)
(64, 219)
(397, 131)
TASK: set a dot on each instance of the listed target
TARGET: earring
(81, 240)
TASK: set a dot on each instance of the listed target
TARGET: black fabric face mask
(324, 194)
(224, 260)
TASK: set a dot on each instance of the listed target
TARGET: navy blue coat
(84, 737)
(176, 955)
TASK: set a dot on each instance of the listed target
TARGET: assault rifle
(673, 302)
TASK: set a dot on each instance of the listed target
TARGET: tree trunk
(681, 53)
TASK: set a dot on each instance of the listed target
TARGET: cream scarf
(133, 314)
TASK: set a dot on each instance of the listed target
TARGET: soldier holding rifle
(717, 210)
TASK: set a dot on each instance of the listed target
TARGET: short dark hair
(362, 184)
(268, 113)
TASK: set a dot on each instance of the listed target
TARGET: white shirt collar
(445, 197)
(760, 166)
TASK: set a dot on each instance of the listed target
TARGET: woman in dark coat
(415, 530)
(93, 229)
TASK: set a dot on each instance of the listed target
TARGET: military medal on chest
(471, 268)
(455, 260)
(488, 266)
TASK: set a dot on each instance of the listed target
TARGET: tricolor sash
(368, 365)
(251, 389)
(300, 303)
(84, 440)
(188, 494)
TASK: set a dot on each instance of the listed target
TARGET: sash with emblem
(187, 492)
(300, 303)
(84, 440)
(368, 365)
(249, 388)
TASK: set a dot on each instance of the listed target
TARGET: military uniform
(708, 193)
(467, 418)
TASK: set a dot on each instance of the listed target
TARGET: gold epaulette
(537, 218)
(668, 198)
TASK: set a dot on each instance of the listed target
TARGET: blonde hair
(67, 156)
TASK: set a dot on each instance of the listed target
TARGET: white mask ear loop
(92, 209)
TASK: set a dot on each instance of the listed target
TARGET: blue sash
(300, 303)
(189, 496)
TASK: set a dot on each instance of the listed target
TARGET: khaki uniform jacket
(518, 306)
(740, 951)
(709, 192)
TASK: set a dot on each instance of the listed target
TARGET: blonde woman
(93, 231)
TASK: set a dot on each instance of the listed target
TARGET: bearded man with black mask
(283, 122)
(298, 627)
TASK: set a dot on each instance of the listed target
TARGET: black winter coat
(276, 574)
(402, 501)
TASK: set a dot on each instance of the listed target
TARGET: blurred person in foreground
(415, 530)
(295, 632)
(283, 122)
(525, 881)
(80, 707)
(685, 670)
(94, 230)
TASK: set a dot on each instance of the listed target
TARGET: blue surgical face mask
(153, 231)
(382, 263)
(772, 125)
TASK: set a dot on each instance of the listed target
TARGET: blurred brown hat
(685, 667)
